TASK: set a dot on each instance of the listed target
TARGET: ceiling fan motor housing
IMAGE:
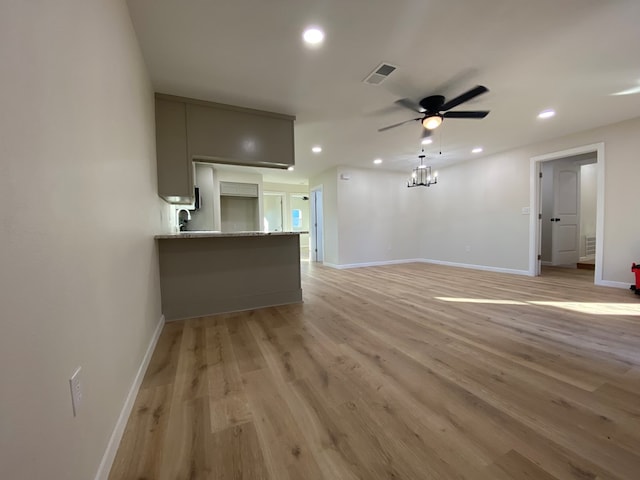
(432, 103)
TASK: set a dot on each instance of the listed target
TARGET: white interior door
(317, 248)
(566, 214)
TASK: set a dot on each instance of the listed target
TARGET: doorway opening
(273, 220)
(316, 225)
(567, 203)
(299, 216)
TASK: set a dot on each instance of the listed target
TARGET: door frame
(312, 224)
(535, 198)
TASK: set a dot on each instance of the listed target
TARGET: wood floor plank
(191, 372)
(325, 435)
(246, 351)
(228, 404)
(408, 371)
(515, 465)
(164, 361)
(286, 451)
(144, 434)
(236, 454)
(188, 446)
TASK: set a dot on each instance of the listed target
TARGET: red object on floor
(636, 269)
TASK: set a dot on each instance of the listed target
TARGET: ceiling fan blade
(478, 114)
(398, 124)
(410, 104)
(465, 97)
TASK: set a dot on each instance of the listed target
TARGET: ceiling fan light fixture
(432, 122)
(427, 141)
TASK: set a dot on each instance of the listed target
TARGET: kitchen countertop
(215, 234)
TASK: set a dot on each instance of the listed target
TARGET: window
(296, 218)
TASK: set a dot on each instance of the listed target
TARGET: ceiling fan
(431, 109)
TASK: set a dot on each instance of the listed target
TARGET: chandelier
(421, 175)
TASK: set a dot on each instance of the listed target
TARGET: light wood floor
(401, 372)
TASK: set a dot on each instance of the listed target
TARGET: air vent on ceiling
(380, 74)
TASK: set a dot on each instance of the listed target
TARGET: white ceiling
(569, 55)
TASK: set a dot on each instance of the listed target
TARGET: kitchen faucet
(178, 223)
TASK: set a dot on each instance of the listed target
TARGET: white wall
(239, 214)
(588, 196)
(379, 217)
(474, 214)
(79, 270)
(478, 203)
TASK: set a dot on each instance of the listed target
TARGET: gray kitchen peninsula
(207, 273)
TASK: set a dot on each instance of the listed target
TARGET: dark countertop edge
(186, 235)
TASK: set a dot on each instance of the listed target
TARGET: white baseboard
(604, 283)
(609, 283)
(426, 260)
(116, 435)
(477, 267)
(372, 264)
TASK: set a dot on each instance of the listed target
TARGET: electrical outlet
(75, 382)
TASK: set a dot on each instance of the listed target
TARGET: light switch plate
(525, 210)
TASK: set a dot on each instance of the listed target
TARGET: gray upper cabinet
(239, 135)
(175, 172)
(188, 130)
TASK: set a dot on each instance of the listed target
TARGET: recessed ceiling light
(547, 114)
(476, 150)
(313, 36)
(377, 161)
(290, 168)
(316, 149)
(426, 141)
